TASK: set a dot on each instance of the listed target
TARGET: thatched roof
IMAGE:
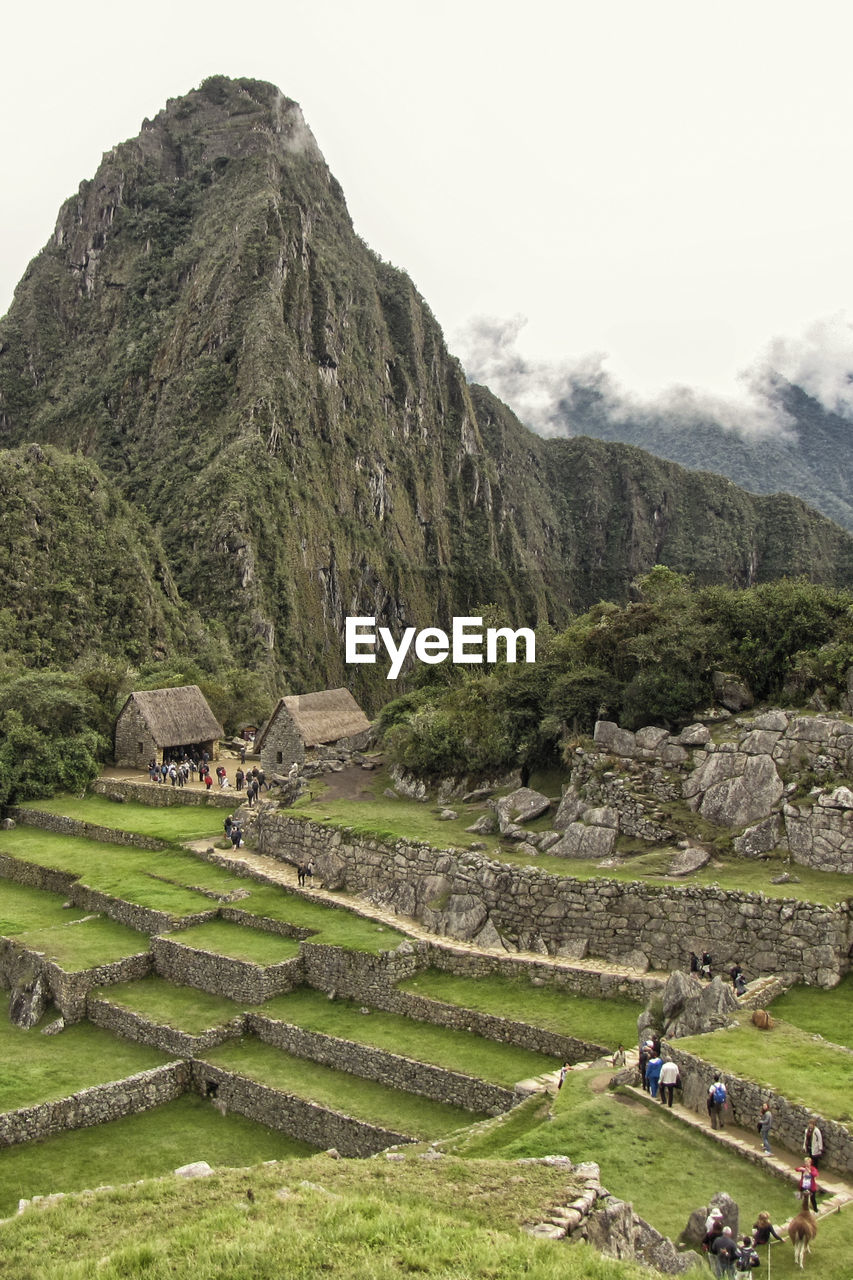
(176, 717)
(326, 716)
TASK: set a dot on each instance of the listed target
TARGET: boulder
(732, 789)
(549, 839)
(731, 692)
(29, 998)
(198, 1169)
(570, 808)
(523, 805)
(680, 990)
(775, 720)
(709, 1009)
(617, 742)
(485, 825)
(686, 861)
(760, 839)
(617, 1232)
(730, 1214)
(489, 938)
(580, 841)
(651, 738)
(448, 815)
(695, 735)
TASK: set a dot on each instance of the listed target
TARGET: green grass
(789, 1061)
(22, 908)
(663, 1167)
(334, 926)
(604, 1022)
(345, 1220)
(183, 1008)
(175, 822)
(363, 1099)
(95, 940)
(134, 875)
(238, 942)
(455, 1050)
(823, 1013)
(147, 1145)
(39, 1068)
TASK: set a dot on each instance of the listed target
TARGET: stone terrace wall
(386, 1068)
(157, 795)
(295, 1116)
(240, 980)
(464, 895)
(745, 1099)
(30, 873)
(358, 975)
(142, 919)
(69, 989)
(58, 823)
(133, 1026)
(97, 1105)
(595, 983)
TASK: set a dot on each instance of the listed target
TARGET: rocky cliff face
(279, 404)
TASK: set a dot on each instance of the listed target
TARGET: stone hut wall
(239, 980)
(437, 1083)
(283, 744)
(745, 1099)
(301, 1119)
(96, 1105)
(134, 742)
(464, 895)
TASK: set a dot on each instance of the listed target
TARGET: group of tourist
(729, 1255)
(180, 771)
(703, 968)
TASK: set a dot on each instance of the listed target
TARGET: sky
(658, 190)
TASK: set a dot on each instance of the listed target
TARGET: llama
(802, 1230)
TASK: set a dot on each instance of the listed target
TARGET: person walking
(765, 1124)
(717, 1098)
(668, 1082)
(654, 1066)
(813, 1143)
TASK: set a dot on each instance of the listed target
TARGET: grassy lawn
(455, 1050)
(363, 1099)
(823, 1013)
(342, 1219)
(22, 908)
(239, 942)
(334, 926)
(147, 1145)
(604, 1022)
(92, 941)
(39, 1068)
(171, 822)
(183, 1008)
(134, 875)
(788, 1060)
(663, 1167)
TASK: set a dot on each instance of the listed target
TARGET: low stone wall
(96, 1105)
(159, 795)
(142, 919)
(386, 1068)
(359, 975)
(69, 989)
(464, 895)
(595, 983)
(134, 1026)
(265, 923)
(239, 980)
(63, 826)
(295, 1116)
(30, 873)
(745, 1099)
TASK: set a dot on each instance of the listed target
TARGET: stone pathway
(273, 871)
(834, 1192)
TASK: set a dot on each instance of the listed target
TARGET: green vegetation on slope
(821, 1013)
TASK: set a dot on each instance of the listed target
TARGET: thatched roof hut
(160, 720)
(307, 720)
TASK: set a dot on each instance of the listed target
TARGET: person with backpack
(746, 1259)
(717, 1099)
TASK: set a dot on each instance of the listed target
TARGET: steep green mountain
(809, 460)
(81, 573)
(278, 404)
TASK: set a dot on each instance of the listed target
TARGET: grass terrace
(165, 1003)
(786, 1059)
(39, 1068)
(822, 1013)
(604, 1022)
(454, 1050)
(82, 944)
(238, 942)
(334, 926)
(146, 1145)
(363, 1099)
(23, 907)
(174, 823)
